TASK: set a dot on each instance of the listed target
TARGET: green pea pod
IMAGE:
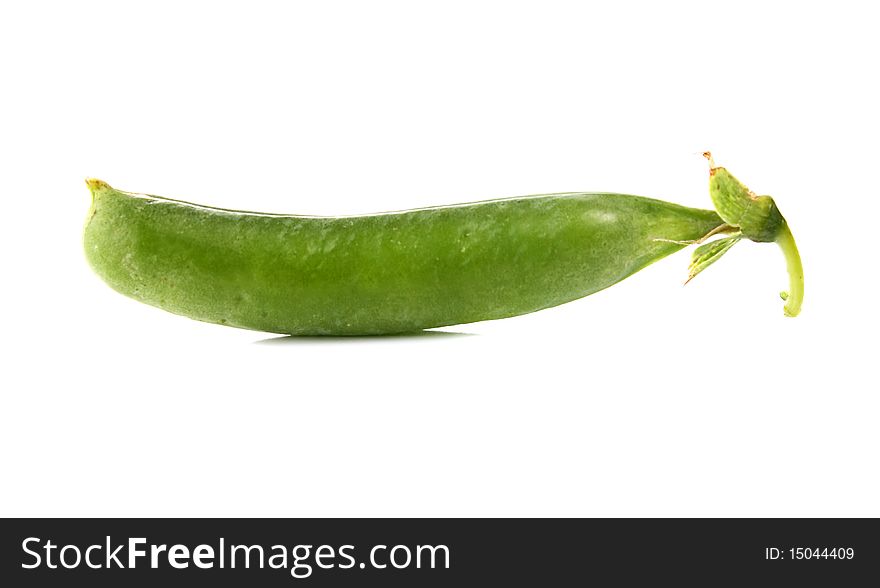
(381, 273)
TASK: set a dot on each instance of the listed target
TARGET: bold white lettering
(203, 552)
(155, 550)
(133, 551)
(178, 552)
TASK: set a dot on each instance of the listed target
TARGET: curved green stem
(795, 295)
(758, 219)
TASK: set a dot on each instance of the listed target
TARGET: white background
(645, 399)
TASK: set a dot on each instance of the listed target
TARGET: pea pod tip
(95, 184)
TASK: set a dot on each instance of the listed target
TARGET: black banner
(437, 552)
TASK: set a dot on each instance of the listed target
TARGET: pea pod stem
(758, 219)
(795, 295)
